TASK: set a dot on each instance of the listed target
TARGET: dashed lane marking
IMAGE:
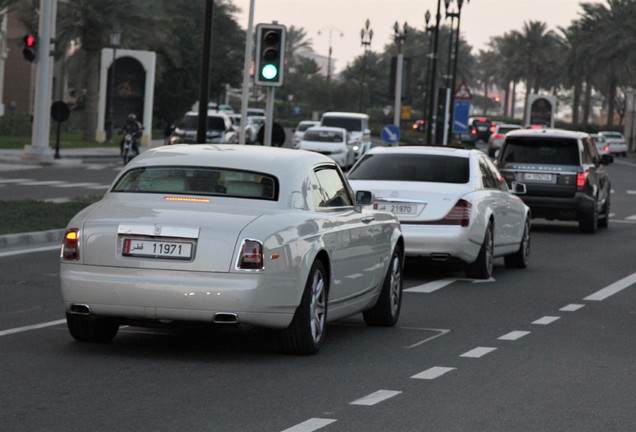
(433, 373)
(546, 320)
(612, 289)
(478, 352)
(514, 335)
(571, 307)
(310, 425)
(375, 398)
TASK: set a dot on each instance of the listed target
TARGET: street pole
(204, 84)
(460, 3)
(447, 108)
(247, 62)
(433, 96)
(115, 39)
(400, 37)
(366, 34)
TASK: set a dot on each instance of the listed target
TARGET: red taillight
(498, 136)
(474, 132)
(458, 215)
(606, 148)
(70, 247)
(251, 255)
(415, 126)
(580, 179)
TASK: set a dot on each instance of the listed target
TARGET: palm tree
(296, 42)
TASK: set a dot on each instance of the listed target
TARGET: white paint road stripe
(310, 425)
(376, 398)
(571, 307)
(30, 250)
(514, 335)
(31, 327)
(77, 185)
(19, 180)
(612, 289)
(478, 352)
(432, 373)
(43, 183)
(546, 320)
(432, 286)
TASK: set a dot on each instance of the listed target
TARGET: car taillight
(498, 136)
(251, 255)
(458, 215)
(70, 246)
(580, 179)
(474, 132)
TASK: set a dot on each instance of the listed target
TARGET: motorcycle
(129, 149)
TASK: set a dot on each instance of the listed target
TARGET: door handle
(368, 219)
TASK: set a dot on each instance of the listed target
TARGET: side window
(589, 151)
(332, 191)
(491, 177)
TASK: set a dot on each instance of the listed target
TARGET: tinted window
(330, 190)
(548, 151)
(323, 136)
(506, 129)
(412, 167)
(304, 126)
(350, 124)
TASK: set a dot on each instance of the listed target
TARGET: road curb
(8, 241)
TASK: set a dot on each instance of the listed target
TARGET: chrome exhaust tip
(225, 318)
(80, 309)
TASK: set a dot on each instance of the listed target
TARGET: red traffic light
(29, 51)
(29, 41)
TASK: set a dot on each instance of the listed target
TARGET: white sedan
(616, 142)
(231, 234)
(453, 204)
(330, 141)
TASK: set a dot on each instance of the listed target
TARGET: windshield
(198, 181)
(323, 136)
(350, 124)
(412, 167)
(546, 151)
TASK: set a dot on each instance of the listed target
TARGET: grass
(26, 216)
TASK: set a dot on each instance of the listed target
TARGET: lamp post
(366, 35)
(429, 56)
(331, 29)
(400, 37)
(115, 39)
(432, 92)
(447, 103)
(460, 3)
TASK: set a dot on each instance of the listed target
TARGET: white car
(329, 141)
(220, 129)
(228, 234)
(300, 129)
(496, 139)
(602, 147)
(357, 124)
(616, 142)
(453, 204)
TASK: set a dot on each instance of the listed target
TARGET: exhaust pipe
(440, 256)
(225, 318)
(80, 309)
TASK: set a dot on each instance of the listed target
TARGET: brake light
(458, 215)
(415, 126)
(606, 148)
(70, 245)
(580, 179)
(498, 136)
(251, 255)
(473, 131)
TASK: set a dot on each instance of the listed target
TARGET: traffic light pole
(269, 117)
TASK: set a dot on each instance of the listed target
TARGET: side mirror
(364, 198)
(518, 188)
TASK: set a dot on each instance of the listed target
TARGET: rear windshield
(544, 151)
(350, 124)
(323, 136)
(412, 167)
(192, 122)
(199, 181)
(302, 127)
(506, 129)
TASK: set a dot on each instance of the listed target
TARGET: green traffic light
(269, 71)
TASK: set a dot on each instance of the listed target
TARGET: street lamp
(331, 29)
(429, 56)
(115, 39)
(366, 35)
(400, 37)
(447, 103)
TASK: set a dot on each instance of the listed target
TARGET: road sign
(390, 134)
(460, 117)
(463, 92)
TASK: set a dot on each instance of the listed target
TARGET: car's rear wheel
(520, 258)
(588, 222)
(91, 329)
(481, 268)
(387, 309)
(306, 333)
(603, 221)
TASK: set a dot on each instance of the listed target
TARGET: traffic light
(29, 51)
(270, 55)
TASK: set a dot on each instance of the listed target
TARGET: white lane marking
(43, 183)
(58, 200)
(99, 187)
(432, 373)
(631, 192)
(612, 289)
(70, 185)
(375, 398)
(478, 352)
(514, 335)
(628, 220)
(432, 286)
(310, 425)
(30, 250)
(546, 320)
(441, 332)
(19, 180)
(31, 327)
(631, 218)
(571, 307)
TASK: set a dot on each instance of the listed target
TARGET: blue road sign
(390, 134)
(460, 120)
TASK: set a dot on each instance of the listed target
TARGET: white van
(356, 124)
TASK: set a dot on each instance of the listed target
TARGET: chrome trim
(238, 256)
(158, 230)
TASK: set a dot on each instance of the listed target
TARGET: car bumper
(440, 242)
(154, 295)
(559, 208)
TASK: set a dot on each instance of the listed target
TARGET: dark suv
(563, 175)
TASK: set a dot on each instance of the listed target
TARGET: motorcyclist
(134, 128)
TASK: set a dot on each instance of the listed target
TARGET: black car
(480, 128)
(562, 173)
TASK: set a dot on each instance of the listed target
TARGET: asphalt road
(548, 348)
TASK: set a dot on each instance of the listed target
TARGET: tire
(481, 268)
(306, 333)
(387, 309)
(520, 258)
(90, 329)
(603, 221)
(588, 222)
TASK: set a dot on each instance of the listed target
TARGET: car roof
(328, 128)
(344, 114)
(424, 150)
(548, 132)
(211, 113)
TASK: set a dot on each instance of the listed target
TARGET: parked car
(497, 137)
(228, 235)
(616, 142)
(452, 203)
(602, 147)
(300, 129)
(357, 124)
(219, 129)
(564, 176)
(330, 141)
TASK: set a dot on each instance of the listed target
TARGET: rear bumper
(568, 208)
(441, 242)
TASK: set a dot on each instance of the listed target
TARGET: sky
(338, 22)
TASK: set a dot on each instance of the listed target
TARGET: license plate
(157, 249)
(538, 177)
(397, 208)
